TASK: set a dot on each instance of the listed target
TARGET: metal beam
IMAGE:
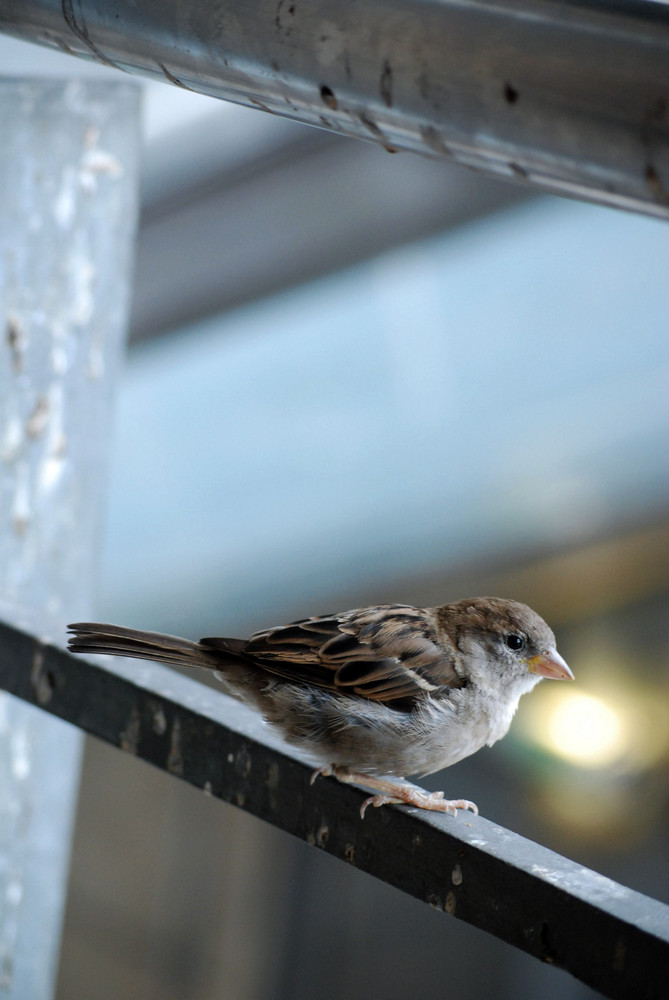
(68, 196)
(572, 97)
(612, 938)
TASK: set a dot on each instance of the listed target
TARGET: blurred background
(358, 377)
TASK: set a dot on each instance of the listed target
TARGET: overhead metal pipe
(568, 95)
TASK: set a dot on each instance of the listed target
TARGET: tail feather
(116, 640)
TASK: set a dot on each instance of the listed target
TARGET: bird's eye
(515, 641)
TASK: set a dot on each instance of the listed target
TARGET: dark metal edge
(612, 938)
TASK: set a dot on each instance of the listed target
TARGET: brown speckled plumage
(384, 690)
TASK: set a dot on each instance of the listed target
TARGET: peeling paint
(273, 776)
(21, 504)
(12, 440)
(243, 761)
(129, 737)
(159, 721)
(38, 419)
(175, 763)
(65, 203)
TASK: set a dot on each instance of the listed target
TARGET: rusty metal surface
(612, 938)
(571, 97)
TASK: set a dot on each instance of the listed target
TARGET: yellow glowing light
(586, 730)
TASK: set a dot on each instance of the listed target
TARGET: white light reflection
(587, 731)
(625, 729)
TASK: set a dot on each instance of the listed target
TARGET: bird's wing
(386, 653)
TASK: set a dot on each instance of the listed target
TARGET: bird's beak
(550, 664)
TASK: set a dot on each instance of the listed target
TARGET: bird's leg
(395, 793)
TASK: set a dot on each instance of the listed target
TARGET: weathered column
(68, 207)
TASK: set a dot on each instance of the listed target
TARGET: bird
(377, 693)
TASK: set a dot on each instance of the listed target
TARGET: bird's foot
(395, 793)
(410, 795)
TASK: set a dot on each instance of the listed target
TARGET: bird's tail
(95, 637)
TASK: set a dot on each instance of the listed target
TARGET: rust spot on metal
(78, 27)
(373, 128)
(263, 107)
(511, 95)
(61, 43)
(655, 185)
(386, 83)
(328, 97)
(432, 139)
(284, 12)
(174, 79)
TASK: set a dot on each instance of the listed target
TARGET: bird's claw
(321, 772)
(377, 801)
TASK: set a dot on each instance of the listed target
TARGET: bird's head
(507, 644)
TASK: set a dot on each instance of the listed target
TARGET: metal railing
(571, 97)
(612, 938)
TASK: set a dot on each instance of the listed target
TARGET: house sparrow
(373, 692)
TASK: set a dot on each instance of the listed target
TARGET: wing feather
(387, 653)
